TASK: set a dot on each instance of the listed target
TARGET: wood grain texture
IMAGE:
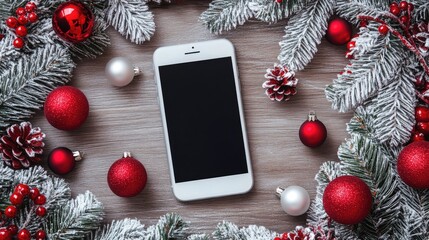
(128, 119)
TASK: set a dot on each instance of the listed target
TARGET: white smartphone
(202, 115)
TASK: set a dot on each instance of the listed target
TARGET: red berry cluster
(401, 10)
(421, 130)
(350, 45)
(24, 16)
(17, 199)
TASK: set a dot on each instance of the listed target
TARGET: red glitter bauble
(62, 160)
(413, 165)
(347, 200)
(312, 132)
(127, 177)
(339, 31)
(66, 108)
(73, 21)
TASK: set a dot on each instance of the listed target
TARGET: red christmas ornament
(339, 31)
(347, 200)
(127, 177)
(422, 114)
(73, 21)
(18, 43)
(413, 165)
(312, 132)
(66, 108)
(62, 160)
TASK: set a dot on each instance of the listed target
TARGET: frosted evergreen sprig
(228, 230)
(129, 229)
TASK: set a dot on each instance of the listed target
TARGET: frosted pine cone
(280, 84)
(22, 146)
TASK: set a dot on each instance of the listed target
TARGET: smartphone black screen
(203, 120)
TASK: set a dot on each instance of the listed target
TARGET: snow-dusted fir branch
(129, 229)
(169, 226)
(132, 19)
(303, 33)
(228, 230)
(26, 84)
(272, 11)
(351, 9)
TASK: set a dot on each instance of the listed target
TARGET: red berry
(32, 17)
(41, 234)
(30, 7)
(395, 10)
(394, 4)
(383, 29)
(10, 211)
(422, 114)
(417, 136)
(24, 189)
(403, 5)
(12, 22)
(22, 20)
(404, 19)
(20, 11)
(21, 31)
(423, 127)
(349, 55)
(411, 7)
(363, 23)
(34, 193)
(24, 234)
(277, 238)
(279, 1)
(40, 200)
(351, 45)
(285, 236)
(18, 43)
(16, 198)
(13, 229)
(41, 211)
(5, 234)
(1, 36)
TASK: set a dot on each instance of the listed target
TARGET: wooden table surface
(128, 119)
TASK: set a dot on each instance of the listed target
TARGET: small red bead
(351, 45)
(34, 193)
(5, 234)
(12, 22)
(10, 211)
(13, 229)
(395, 10)
(22, 20)
(403, 5)
(16, 198)
(32, 17)
(24, 189)
(417, 136)
(18, 43)
(404, 19)
(363, 23)
(383, 29)
(277, 238)
(411, 7)
(40, 200)
(423, 127)
(24, 234)
(41, 211)
(30, 7)
(284, 236)
(394, 4)
(40, 234)
(20, 11)
(422, 114)
(21, 31)
(349, 55)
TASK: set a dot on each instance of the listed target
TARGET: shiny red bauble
(347, 200)
(62, 160)
(312, 132)
(413, 165)
(127, 177)
(66, 108)
(339, 31)
(73, 21)
(422, 114)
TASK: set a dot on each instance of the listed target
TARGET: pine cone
(281, 83)
(421, 37)
(22, 146)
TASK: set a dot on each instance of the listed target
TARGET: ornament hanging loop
(78, 156)
(127, 154)
(312, 116)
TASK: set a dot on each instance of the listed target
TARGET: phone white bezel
(212, 187)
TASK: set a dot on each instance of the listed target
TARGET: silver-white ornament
(120, 71)
(294, 200)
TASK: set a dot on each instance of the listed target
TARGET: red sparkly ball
(73, 21)
(413, 165)
(422, 114)
(61, 160)
(127, 177)
(312, 132)
(66, 108)
(339, 31)
(347, 200)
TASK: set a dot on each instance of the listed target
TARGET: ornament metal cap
(137, 71)
(127, 154)
(312, 116)
(78, 156)
(279, 191)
